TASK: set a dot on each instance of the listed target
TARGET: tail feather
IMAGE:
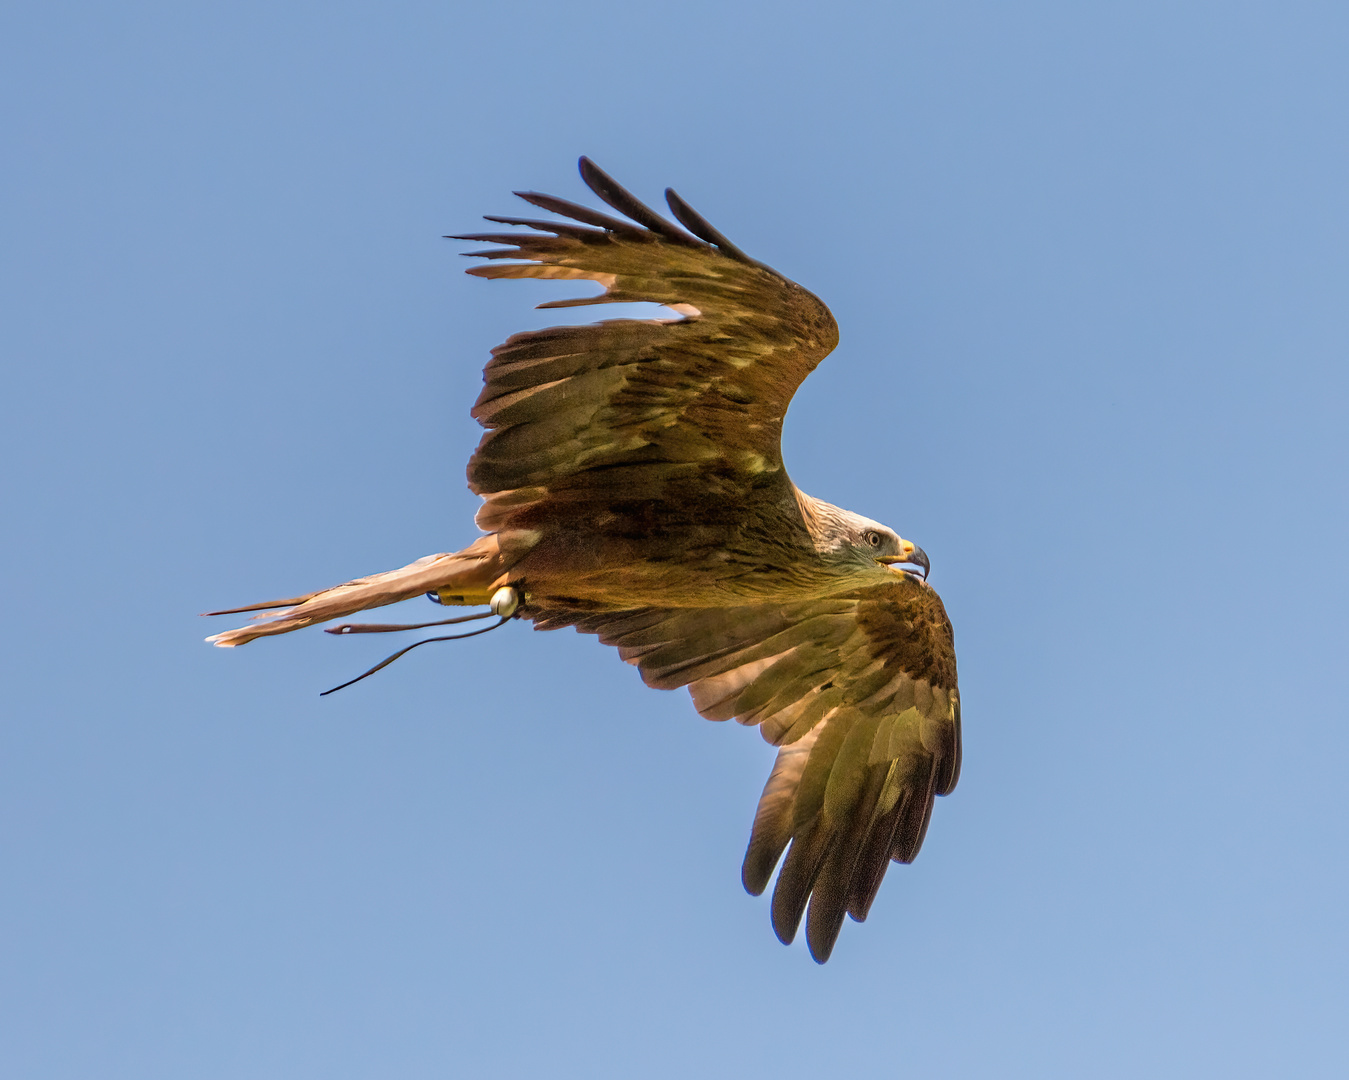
(264, 607)
(464, 577)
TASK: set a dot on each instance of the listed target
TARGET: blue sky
(1090, 262)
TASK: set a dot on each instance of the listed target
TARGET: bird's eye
(873, 538)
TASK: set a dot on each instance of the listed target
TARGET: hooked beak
(912, 555)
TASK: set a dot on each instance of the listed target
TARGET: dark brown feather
(874, 858)
(831, 888)
(577, 212)
(797, 877)
(622, 200)
(948, 772)
(557, 228)
(773, 820)
(912, 825)
(702, 228)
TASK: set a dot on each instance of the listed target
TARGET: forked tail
(464, 577)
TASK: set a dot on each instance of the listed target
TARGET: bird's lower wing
(859, 691)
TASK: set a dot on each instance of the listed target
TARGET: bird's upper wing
(858, 690)
(640, 410)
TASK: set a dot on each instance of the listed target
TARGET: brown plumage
(634, 488)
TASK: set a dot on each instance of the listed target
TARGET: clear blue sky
(1091, 264)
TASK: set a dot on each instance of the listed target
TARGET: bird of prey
(633, 488)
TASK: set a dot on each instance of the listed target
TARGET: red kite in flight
(634, 488)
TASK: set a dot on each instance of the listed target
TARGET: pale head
(861, 542)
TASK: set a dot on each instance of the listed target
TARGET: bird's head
(870, 542)
(858, 542)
